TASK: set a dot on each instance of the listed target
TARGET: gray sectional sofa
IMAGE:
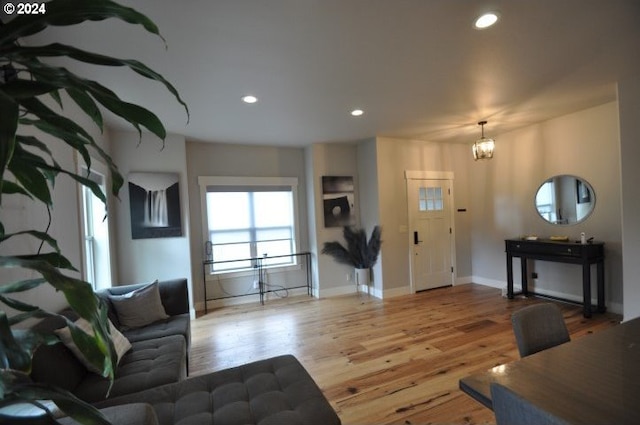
(158, 354)
(151, 388)
(275, 391)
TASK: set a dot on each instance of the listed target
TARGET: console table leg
(586, 290)
(601, 307)
(509, 276)
(525, 283)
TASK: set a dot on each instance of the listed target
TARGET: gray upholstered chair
(538, 327)
(512, 409)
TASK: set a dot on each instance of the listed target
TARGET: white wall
(330, 159)
(144, 260)
(368, 189)
(219, 159)
(629, 109)
(394, 157)
(585, 144)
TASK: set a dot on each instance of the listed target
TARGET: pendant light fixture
(483, 147)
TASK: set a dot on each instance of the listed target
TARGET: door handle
(415, 238)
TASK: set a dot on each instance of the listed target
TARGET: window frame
(242, 183)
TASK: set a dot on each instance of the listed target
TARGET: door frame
(430, 175)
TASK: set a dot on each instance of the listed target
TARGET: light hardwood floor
(393, 361)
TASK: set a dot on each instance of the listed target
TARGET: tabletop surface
(595, 379)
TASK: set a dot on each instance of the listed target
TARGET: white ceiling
(418, 68)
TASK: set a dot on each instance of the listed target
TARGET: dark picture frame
(583, 194)
(154, 204)
(338, 198)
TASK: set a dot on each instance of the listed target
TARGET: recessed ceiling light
(357, 112)
(249, 99)
(486, 20)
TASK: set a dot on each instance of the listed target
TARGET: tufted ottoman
(275, 391)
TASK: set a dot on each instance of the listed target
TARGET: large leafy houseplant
(28, 85)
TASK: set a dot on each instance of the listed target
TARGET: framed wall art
(154, 203)
(338, 199)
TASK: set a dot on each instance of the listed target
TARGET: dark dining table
(591, 380)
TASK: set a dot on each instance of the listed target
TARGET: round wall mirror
(565, 200)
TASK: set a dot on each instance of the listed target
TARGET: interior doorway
(431, 232)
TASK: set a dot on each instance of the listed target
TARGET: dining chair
(538, 327)
(512, 409)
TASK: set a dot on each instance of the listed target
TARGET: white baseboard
(397, 292)
(336, 292)
(612, 307)
(393, 292)
(463, 280)
(365, 289)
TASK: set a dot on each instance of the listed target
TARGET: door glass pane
(430, 199)
(422, 199)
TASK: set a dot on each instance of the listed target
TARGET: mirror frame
(578, 180)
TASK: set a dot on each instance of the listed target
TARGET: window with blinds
(248, 221)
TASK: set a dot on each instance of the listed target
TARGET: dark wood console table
(562, 252)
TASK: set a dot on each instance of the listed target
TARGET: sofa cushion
(127, 414)
(140, 307)
(174, 325)
(56, 364)
(148, 364)
(120, 342)
(273, 391)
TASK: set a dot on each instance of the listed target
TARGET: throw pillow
(120, 342)
(140, 307)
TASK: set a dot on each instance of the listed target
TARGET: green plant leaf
(82, 300)
(17, 305)
(46, 114)
(43, 236)
(35, 170)
(32, 141)
(77, 409)
(56, 96)
(36, 162)
(71, 12)
(91, 346)
(9, 111)
(34, 182)
(12, 354)
(22, 89)
(30, 339)
(11, 188)
(79, 294)
(136, 115)
(56, 50)
(54, 259)
(87, 104)
(21, 286)
(77, 142)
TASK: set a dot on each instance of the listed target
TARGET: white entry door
(431, 233)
